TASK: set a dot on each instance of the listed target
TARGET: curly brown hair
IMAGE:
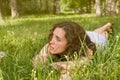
(78, 40)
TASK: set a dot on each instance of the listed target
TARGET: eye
(58, 39)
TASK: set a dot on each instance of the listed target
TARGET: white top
(97, 38)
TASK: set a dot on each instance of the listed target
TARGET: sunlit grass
(22, 38)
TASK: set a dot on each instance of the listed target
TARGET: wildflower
(66, 57)
(117, 37)
(35, 33)
(34, 74)
(2, 54)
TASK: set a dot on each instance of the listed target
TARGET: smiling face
(58, 42)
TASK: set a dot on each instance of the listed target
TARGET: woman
(67, 39)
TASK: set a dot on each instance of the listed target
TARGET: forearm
(42, 57)
(38, 60)
(69, 64)
(64, 65)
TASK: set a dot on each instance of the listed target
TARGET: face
(58, 42)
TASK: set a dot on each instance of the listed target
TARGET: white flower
(2, 54)
(35, 33)
(117, 37)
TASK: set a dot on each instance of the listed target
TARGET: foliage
(77, 5)
(6, 9)
(21, 39)
(46, 6)
(28, 6)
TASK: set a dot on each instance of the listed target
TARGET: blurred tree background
(16, 8)
(25, 24)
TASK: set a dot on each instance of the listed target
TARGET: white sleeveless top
(97, 38)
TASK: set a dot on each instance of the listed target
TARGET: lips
(51, 48)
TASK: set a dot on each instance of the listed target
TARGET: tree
(40, 2)
(1, 13)
(54, 6)
(14, 10)
(89, 6)
(98, 8)
(47, 7)
(111, 7)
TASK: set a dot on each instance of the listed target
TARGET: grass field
(22, 38)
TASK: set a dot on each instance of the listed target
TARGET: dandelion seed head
(2, 54)
(35, 33)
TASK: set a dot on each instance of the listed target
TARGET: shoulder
(44, 50)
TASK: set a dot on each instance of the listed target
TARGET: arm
(67, 65)
(41, 57)
(63, 65)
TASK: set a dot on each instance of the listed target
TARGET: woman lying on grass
(67, 39)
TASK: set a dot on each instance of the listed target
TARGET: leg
(104, 29)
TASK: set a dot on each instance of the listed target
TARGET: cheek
(63, 47)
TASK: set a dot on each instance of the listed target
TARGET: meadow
(22, 38)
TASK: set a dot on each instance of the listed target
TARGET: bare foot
(108, 26)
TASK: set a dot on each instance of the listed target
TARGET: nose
(52, 41)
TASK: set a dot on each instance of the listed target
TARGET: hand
(60, 65)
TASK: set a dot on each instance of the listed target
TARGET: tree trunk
(14, 10)
(54, 6)
(116, 6)
(47, 7)
(98, 8)
(41, 4)
(111, 7)
(1, 13)
(89, 6)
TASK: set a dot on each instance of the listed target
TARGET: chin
(53, 52)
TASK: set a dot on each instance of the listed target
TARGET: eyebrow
(58, 37)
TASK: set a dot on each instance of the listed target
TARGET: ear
(89, 53)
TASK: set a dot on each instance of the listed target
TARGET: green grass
(23, 38)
